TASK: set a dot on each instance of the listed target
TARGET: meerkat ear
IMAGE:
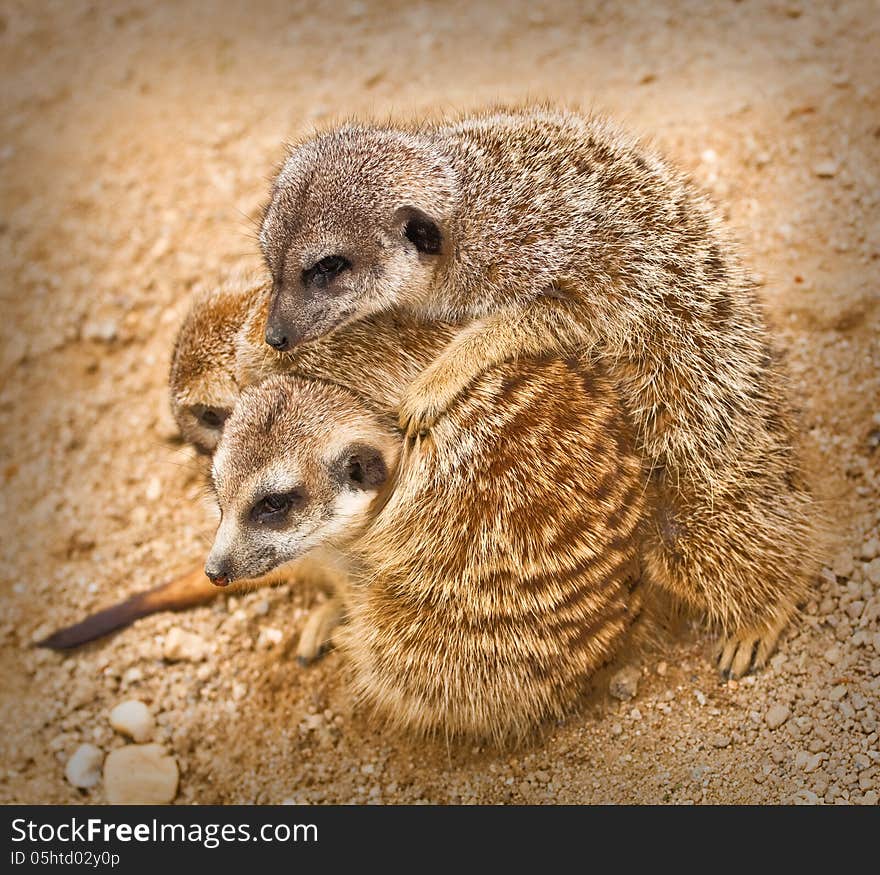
(362, 467)
(420, 229)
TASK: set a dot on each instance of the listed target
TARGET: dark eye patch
(210, 417)
(273, 509)
(322, 273)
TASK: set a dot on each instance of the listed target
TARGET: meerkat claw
(317, 635)
(747, 650)
(415, 425)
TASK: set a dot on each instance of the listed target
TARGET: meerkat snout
(217, 570)
(293, 300)
(299, 466)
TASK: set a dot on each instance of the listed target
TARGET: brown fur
(557, 233)
(495, 576)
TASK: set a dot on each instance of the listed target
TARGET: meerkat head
(299, 466)
(356, 223)
(202, 380)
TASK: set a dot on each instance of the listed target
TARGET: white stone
(825, 169)
(140, 774)
(269, 637)
(154, 489)
(132, 675)
(843, 565)
(870, 549)
(104, 331)
(832, 655)
(181, 645)
(83, 769)
(133, 718)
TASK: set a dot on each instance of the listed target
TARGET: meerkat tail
(187, 591)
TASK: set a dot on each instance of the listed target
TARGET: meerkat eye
(273, 508)
(325, 271)
(214, 418)
(210, 417)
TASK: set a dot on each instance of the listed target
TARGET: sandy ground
(136, 142)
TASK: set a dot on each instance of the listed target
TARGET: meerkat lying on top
(489, 575)
(549, 231)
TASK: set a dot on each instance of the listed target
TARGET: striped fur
(503, 569)
(562, 233)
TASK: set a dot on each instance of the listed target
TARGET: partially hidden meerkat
(489, 575)
(219, 350)
(546, 231)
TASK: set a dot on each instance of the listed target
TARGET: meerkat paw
(748, 649)
(425, 401)
(318, 632)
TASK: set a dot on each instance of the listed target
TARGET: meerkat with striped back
(490, 571)
(548, 231)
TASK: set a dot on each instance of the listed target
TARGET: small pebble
(854, 609)
(870, 549)
(843, 565)
(777, 715)
(83, 769)
(104, 331)
(860, 761)
(154, 489)
(872, 571)
(132, 676)
(832, 655)
(719, 740)
(269, 637)
(825, 169)
(140, 774)
(837, 693)
(624, 685)
(133, 718)
(181, 645)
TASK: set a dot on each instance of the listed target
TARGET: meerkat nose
(218, 573)
(277, 340)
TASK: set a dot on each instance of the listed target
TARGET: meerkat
(545, 231)
(489, 574)
(219, 350)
